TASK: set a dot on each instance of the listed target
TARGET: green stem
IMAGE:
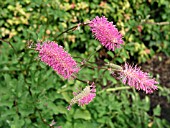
(115, 89)
(9, 44)
(97, 49)
(43, 120)
(93, 67)
(72, 28)
(156, 23)
(114, 66)
(85, 61)
(81, 80)
(10, 70)
(118, 88)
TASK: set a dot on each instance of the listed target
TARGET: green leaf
(82, 114)
(157, 110)
(104, 81)
(66, 96)
(60, 109)
(110, 53)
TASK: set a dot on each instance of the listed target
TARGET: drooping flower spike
(134, 77)
(54, 55)
(84, 97)
(106, 33)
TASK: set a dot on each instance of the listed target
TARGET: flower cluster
(54, 55)
(106, 33)
(134, 77)
(84, 97)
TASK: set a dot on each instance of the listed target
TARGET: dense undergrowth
(33, 95)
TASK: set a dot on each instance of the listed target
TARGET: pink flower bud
(106, 33)
(54, 55)
(84, 97)
(134, 77)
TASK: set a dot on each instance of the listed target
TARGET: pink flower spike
(106, 33)
(54, 55)
(134, 77)
(84, 97)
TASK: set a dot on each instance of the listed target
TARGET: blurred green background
(32, 95)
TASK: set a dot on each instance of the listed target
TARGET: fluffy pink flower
(54, 55)
(134, 77)
(84, 97)
(106, 33)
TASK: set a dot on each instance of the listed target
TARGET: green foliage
(32, 95)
